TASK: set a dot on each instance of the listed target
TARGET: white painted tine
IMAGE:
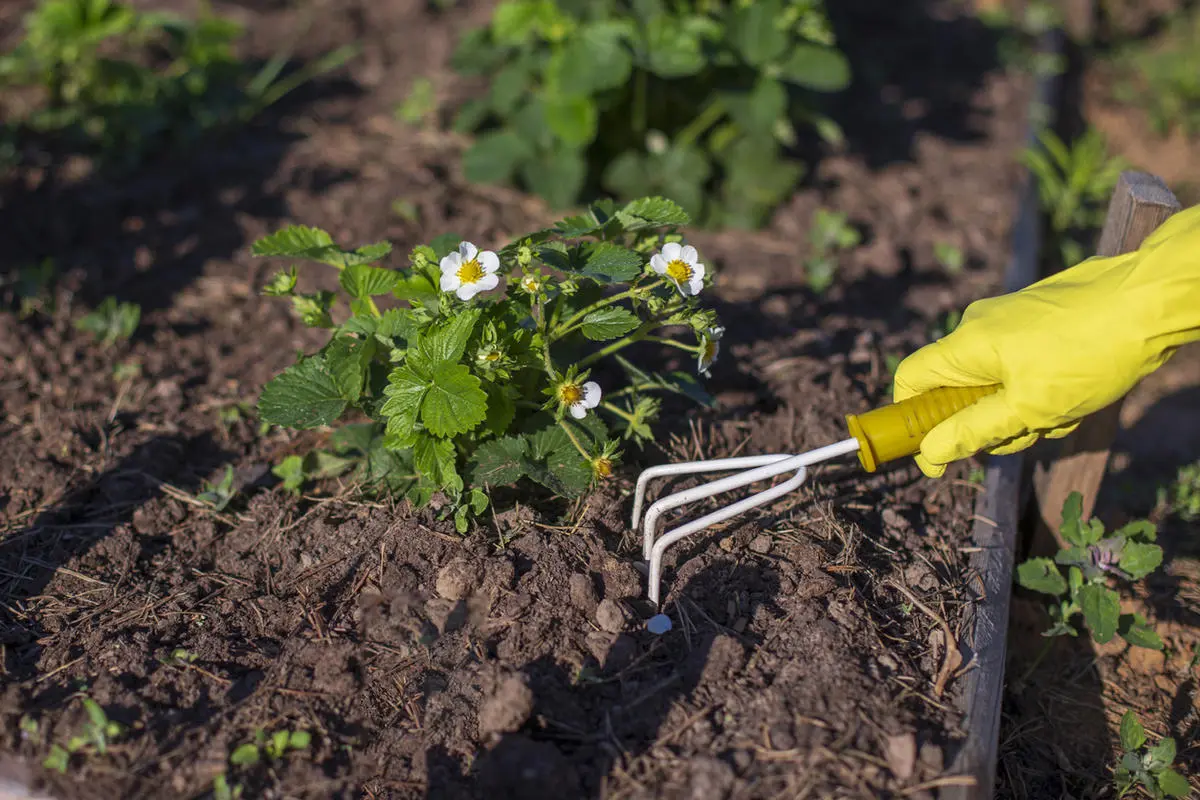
(720, 515)
(691, 467)
(684, 496)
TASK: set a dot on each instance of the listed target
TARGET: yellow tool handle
(895, 431)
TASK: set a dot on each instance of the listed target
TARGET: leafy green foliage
(123, 83)
(30, 288)
(950, 257)
(111, 321)
(97, 734)
(1092, 557)
(1182, 498)
(468, 392)
(217, 496)
(271, 748)
(831, 234)
(1162, 75)
(694, 101)
(1149, 767)
(1075, 183)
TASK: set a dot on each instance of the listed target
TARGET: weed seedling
(95, 737)
(1074, 185)
(697, 101)
(1148, 767)
(271, 748)
(469, 387)
(420, 104)
(830, 235)
(1163, 75)
(30, 288)
(217, 496)
(1092, 558)
(950, 257)
(111, 321)
(1182, 498)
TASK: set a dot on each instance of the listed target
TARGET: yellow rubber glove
(1062, 348)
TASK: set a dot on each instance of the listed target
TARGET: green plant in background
(98, 731)
(111, 321)
(272, 748)
(121, 83)
(950, 257)
(1182, 498)
(1075, 184)
(1162, 75)
(1148, 767)
(217, 496)
(420, 104)
(831, 234)
(693, 99)
(1091, 558)
(468, 388)
(30, 288)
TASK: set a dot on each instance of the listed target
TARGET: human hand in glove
(1062, 348)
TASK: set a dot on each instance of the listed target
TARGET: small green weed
(420, 104)
(950, 257)
(31, 288)
(1074, 185)
(111, 321)
(1091, 559)
(121, 83)
(98, 732)
(217, 496)
(693, 100)
(1148, 767)
(271, 748)
(1182, 498)
(830, 235)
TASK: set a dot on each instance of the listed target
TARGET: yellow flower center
(493, 356)
(570, 394)
(530, 285)
(710, 350)
(470, 271)
(603, 467)
(679, 271)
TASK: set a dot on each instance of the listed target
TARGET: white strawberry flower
(579, 399)
(681, 264)
(469, 271)
(710, 347)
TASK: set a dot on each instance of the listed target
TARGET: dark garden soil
(809, 656)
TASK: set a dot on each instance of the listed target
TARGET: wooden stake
(1140, 203)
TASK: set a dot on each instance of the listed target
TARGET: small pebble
(658, 624)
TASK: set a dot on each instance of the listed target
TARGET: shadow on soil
(616, 717)
(82, 521)
(144, 236)
(916, 70)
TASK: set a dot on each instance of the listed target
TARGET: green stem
(620, 412)
(547, 361)
(571, 435)
(691, 348)
(707, 117)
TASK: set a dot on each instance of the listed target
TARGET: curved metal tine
(708, 520)
(769, 470)
(691, 467)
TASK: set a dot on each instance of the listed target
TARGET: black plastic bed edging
(997, 509)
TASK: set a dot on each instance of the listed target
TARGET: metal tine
(799, 463)
(720, 515)
(688, 468)
(727, 484)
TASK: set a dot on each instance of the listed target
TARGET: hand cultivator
(884, 434)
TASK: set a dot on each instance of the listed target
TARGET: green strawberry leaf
(611, 263)
(455, 403)
(362, 280)
(608, 323)
(652, 212)
(304, 395)
(500, 462)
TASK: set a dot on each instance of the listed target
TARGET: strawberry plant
(696, 100)
(1092, 558)
(1149, 767)
(471, 384)
(120, 82)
